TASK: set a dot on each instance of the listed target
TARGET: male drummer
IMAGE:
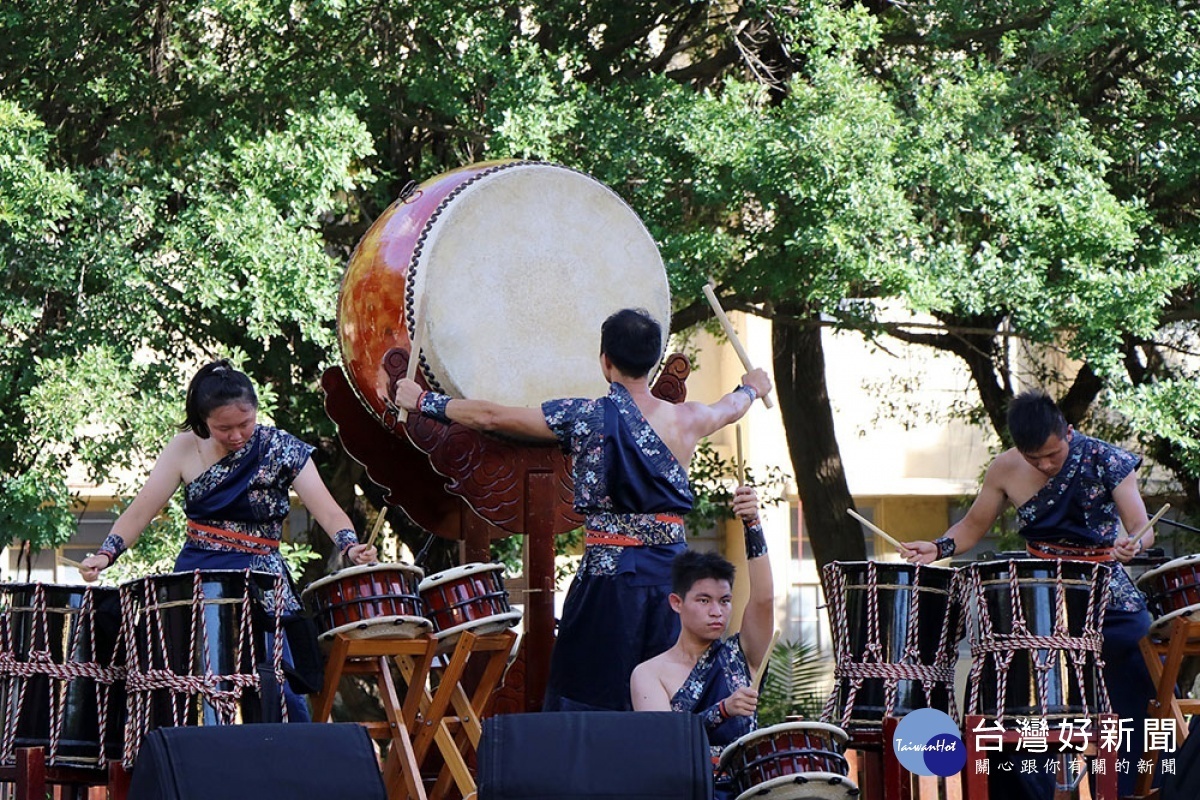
(631, 453)
(1072, 493)
(702, 673)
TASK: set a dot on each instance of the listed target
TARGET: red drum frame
(470, 597)
(896, 628)
(790, 760)
(1037, 638)
(204, 648)
(369, 601)
(62, 685)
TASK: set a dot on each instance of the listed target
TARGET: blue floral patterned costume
(721, 670)
(631, 491)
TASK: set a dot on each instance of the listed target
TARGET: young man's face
(705, 611)
(1050, 457)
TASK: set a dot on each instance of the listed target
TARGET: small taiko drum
(789, 761)
(471, 597)
(62, 678)
(896, 629)
(1173, 591)
(1036, 639)
(488, 260)
(369, 601)
(204, 648)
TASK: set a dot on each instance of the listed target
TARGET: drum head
(391, 627)
(458, 573)
(1147, 578)
(482, 626)
(516, 273)
(804, 786)
(838, 735)
(360, 570)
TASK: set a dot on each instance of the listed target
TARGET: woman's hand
(362, 554)
(91, 567)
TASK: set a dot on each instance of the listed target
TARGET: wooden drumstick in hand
(66, 562)
(378, 526)
(1137, 540)
(886, 537)
(731, 334)
(414, 347)
(739, 466)
(762, 668)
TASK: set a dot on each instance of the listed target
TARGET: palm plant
(796, 684)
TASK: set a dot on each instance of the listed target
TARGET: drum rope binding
(873, 664)
(1004, 646)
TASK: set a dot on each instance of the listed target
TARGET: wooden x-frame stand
(1164, 658)
(436, 709)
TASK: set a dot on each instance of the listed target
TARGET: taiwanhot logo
(927, 742)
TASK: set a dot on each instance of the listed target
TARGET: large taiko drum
(62, 683)
(204, 648)
(471, 597)
(789, 761)
(1173, 591)
(501, 264)
(896, 629)
(369, 601)
(1036, 638)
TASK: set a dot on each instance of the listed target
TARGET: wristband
(756, 540)
(946, 547)
(344, 539)
(433, 405)
(721, 708)
(113, 546)
(750, 391)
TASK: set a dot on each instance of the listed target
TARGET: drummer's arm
(147, 504)
(1132, 509)
(480, 415)
(330, 516)
(970, 530)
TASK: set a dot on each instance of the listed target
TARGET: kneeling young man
(703, 673)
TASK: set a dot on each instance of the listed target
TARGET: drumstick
(1137, 540)
(875, 528)
(739, 466)
(66, 562)
(731, 334)
(762, 668)
(378, 526)
(415, 344)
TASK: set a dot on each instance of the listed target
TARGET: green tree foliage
(185, 179)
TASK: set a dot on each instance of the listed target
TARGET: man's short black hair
(632, 340)
(692, 565)
(1033, 417)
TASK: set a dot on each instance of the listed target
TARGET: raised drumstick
(414, 347)
(739, 466)
(378, 526)
(875, 528)
(762, 668)
(1137, 540)
(731, 334)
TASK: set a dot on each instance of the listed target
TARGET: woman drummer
(236, 475)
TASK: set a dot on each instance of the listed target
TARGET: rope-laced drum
(789, 761)
(62, 685)
(501, 265)
(471, 597)
(369, 601)
(1036, 639)
(896, 629)
(204, 649)
(1173, 591)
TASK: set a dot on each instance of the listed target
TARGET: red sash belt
(622, 540)
(1095, 554)
(233, 540)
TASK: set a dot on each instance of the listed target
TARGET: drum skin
(506, 266)
(61, 629)
(373, 600)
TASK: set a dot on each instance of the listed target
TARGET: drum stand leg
(401, 770)
(1164, 659)
(33, 779)
(449, 717)
(975, 781)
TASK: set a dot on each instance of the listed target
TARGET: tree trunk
(799, 361)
